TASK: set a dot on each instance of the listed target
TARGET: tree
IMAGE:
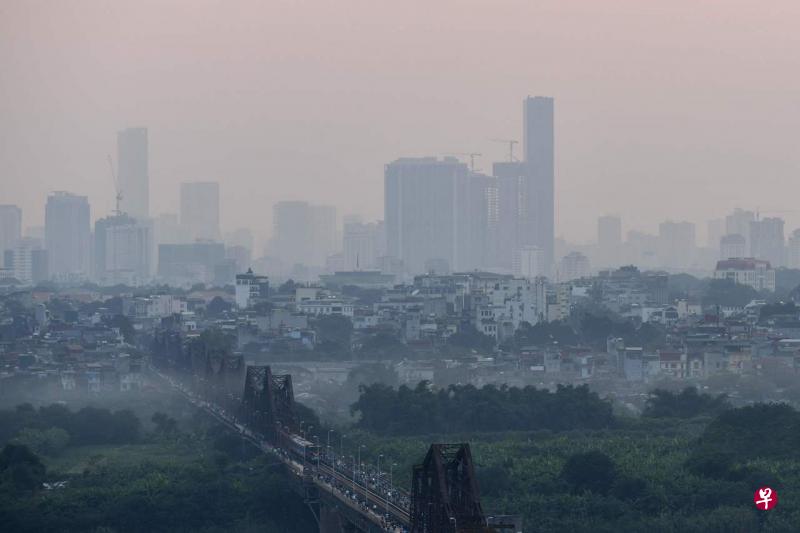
(217, 307)
(769, 431)
(545, 334)
(21, 467)
(165, 425)
(728, 293)
(50, 441)
(125, 327)
(333, 333)
(288, 287)
(593, 471)
(686, 404)
(470, 338)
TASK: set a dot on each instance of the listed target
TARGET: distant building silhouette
(134, 178)
(200, 210)
(609, 240)
(123, 249)
(732, 246)
(767, 240)
(10, 227)
(437, 212)
(539, 146)
(67, 235)
(303, 233)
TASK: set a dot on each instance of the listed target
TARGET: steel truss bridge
(343, 496)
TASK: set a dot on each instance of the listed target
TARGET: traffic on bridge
(444, 496)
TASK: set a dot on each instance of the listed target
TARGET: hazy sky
(680, 109)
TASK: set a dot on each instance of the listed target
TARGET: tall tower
(430, 212)
(67, 234)
(134, 179)
(609, 240)
(539, 146)
(200, 210)
(10, 227)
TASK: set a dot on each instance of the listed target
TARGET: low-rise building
(755, 273)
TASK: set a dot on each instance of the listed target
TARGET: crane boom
(116, 184)
(510, 143)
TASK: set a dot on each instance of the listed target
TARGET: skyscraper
(539, 146)
(123, 250)
(793, 250)
(359, 245)
(609, 240)
(200, 210)
(738, 222)
(676, 244)
(134, 178)
(291, 232)
(128, 250)
(437, 212)
(732, 246)
(10, 227)
(715, 230)
(767, 240)
(512, 194)
(304, 233)
(67, 231)
(324, 233)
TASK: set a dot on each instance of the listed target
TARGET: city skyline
(316, 136)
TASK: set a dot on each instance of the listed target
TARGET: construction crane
(116, 185)
(471, 155)
(510, 143)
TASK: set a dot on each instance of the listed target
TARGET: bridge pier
(331, 521)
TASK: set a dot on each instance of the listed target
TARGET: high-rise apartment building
(513, 211)
(361, 244)
(676, 244)
(134, 178)
(738, 223)
(200, 210)
(25, 258)
(715, 230)
(793, 250)
(437, 212)
(767, 240)
(539, 147)
(67, 235)
(123, 250)
(10, 227)
(303, 233)
(609, 240)
(324, 233)
(732, 246)
(574, 265)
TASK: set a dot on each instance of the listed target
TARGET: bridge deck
(329, 480)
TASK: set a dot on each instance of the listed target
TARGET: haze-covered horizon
(677, 111)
